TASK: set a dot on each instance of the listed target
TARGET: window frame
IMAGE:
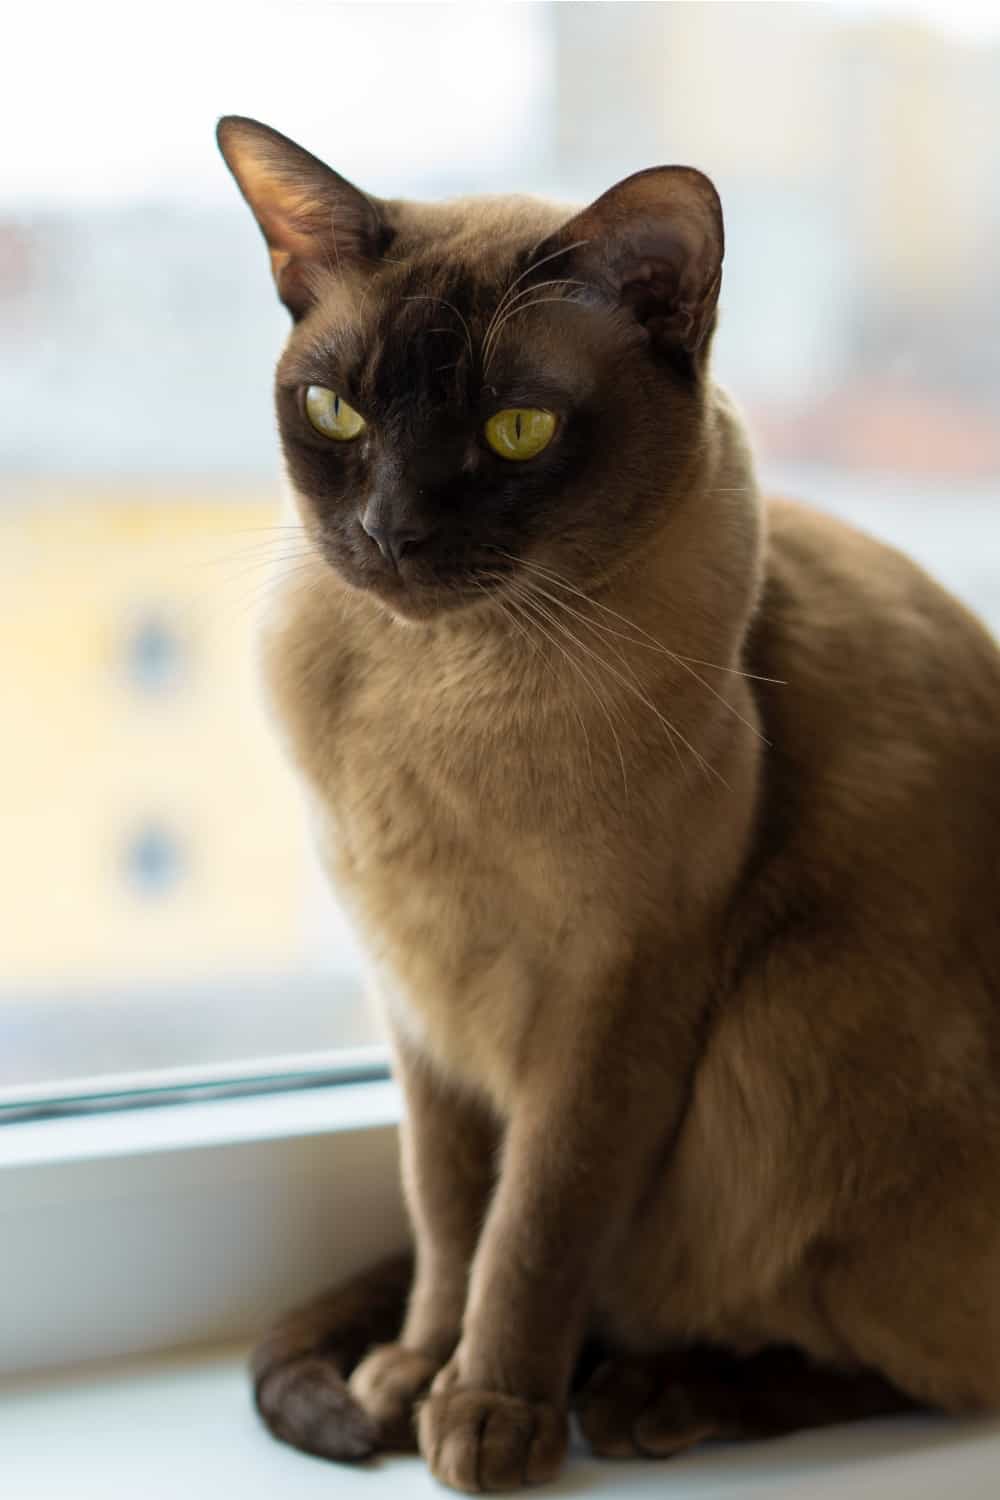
(151, 1228)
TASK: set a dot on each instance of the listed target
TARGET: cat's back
(883, 776)
(861, 626)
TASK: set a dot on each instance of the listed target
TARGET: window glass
(160, 905)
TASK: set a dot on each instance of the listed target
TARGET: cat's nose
(394, 537)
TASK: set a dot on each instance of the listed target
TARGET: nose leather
(394, 536)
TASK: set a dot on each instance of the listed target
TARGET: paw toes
(669, 1424)
(547, 1448)
(485, 1441)
(634, 1408)
(608, 1406)
(449, 1430)
(387, 1384)
(504, 1443)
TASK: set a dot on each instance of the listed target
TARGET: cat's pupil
(517, 425)
(336, 407)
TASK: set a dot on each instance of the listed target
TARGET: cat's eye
(519, 432)
(331, 415)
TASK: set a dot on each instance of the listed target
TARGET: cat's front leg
(448, 1158)
(596, 1109)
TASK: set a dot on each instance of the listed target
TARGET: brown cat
(672, 825)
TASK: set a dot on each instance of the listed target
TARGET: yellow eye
(520, 432)
(331, 415)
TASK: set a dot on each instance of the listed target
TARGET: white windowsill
(173, 1426)
(129, 1233)
(157, 1228)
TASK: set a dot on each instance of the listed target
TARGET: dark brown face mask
(461, 390)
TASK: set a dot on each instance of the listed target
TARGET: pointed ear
(311, 217)
(654, 244)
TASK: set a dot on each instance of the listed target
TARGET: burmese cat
(671, 821)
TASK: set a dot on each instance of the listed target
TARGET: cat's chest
(463, 894)
(457, 938)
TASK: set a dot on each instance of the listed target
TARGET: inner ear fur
(654, 244)
(312, 218)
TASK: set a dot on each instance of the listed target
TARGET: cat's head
(487, 385)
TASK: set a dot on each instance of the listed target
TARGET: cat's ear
(654, 244)
(312, 218)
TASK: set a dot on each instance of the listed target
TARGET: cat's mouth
(418, 588)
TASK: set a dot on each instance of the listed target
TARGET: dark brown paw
(387, 1384)
(306, 1403)
(482, 1440)
(632, 1408)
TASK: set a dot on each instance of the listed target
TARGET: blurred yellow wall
(151, 831)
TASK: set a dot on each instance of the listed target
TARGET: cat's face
(485, 389)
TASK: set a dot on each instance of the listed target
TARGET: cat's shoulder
(831, 571)
(854, 622)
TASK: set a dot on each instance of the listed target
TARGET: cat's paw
(477, 1440)
(637, 1408)
(387, 1384)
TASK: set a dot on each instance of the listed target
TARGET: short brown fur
(671, 821)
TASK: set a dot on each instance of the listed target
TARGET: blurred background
(161, 915)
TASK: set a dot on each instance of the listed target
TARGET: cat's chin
(419, 608)
(409, 600)
(413, 604)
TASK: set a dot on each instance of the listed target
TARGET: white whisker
(607, 630)
(527, 291)
(530, 609)
(570, 301)
(511, 618)
(643, 698)
(629, 685)
(427, 297)
(649, 642)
